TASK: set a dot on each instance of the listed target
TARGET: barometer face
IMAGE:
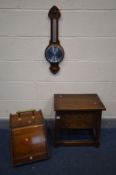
(54, 53)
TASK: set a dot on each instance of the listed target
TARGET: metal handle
(31, 110)
(22, 112)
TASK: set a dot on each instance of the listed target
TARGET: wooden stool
(77, 112)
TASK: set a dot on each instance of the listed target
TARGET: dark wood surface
(78, 111)
(28, 137)
(54, 14)
(77, 102)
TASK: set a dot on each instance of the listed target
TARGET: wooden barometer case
(54, 53)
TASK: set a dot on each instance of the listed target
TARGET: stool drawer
(77, 120)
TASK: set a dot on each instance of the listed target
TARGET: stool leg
(98, 131)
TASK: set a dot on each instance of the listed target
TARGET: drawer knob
(30, 157)
(33, 117)
(58, 117)
(26, 139)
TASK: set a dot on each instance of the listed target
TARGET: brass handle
(22, 112)
(31, 110)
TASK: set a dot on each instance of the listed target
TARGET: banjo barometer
(54, 53)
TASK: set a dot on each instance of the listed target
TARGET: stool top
(77, 102)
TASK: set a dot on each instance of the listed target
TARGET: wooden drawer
(80, 119)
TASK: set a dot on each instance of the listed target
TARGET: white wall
(88, 35)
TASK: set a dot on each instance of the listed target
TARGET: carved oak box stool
(28, 137)
(77, 114)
